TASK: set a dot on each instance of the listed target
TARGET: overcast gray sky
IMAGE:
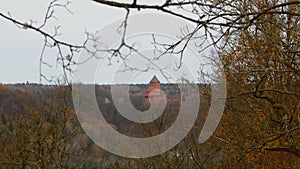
(20, 49)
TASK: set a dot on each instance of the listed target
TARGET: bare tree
(216, 23)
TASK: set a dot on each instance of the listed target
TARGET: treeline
(39, 129)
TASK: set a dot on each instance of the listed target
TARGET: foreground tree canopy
(258, 43)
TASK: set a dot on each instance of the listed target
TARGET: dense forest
(39, 129)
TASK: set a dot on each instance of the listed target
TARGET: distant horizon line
(52, 84)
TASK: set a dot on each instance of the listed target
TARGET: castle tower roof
(154, 80)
